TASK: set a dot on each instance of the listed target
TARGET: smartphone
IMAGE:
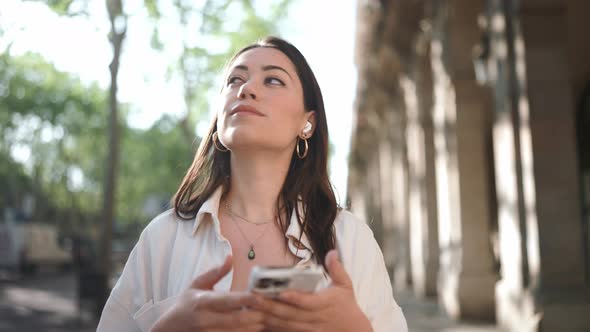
(271, 281)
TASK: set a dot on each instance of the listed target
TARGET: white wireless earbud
(307, 128)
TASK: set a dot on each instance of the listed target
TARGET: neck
(255, 184)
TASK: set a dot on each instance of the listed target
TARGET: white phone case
(271, 281)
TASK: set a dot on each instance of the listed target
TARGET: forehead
(258, 57)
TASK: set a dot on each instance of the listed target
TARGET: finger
(336, 270)
(208, 279)
(207, 320)
(285, 325)
(222, 302)
(233, 320)
(250, 328)
(238, 319)
(286, 311)
(306, 301)
(253, 328)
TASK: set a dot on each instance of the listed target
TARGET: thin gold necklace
(235, 215)
(251, 252)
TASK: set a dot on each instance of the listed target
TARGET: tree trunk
(118, 29)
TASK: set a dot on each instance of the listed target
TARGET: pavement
(44, 302)
(425, 315)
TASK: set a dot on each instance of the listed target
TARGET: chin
(239, 138)
(254, 137)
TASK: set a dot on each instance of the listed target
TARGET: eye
(273, 81)
(233, 79)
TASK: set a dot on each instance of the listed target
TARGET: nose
(246, 91)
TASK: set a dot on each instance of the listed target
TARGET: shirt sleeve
(115, 317)
(371, 281)
(129, 293)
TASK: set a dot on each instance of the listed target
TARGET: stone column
(421, 180)
(426, 105)
(543, 284)
(461, 120)
(395, 163)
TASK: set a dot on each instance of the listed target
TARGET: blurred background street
(45, 302)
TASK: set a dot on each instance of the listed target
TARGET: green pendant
(251, 254)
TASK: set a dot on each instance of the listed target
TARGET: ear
(307, 132)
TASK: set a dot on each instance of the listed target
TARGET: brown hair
(307, 180)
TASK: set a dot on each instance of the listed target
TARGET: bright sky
(322, 30)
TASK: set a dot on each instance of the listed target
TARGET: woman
(257, 193)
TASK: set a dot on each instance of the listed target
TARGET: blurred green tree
(62, 124)
(50, 116)
(154, 162)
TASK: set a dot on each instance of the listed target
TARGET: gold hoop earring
(215, 139)
(304, 152)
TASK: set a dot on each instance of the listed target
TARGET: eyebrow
(265, 68)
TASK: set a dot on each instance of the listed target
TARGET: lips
(246, 109)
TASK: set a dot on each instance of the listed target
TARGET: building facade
(471, 154)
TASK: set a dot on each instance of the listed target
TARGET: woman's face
(262, 102)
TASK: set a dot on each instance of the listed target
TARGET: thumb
(208, 279)
(336, 270)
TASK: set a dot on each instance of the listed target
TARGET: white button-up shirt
(171, 253)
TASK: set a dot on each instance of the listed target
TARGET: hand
(200, 309)
(331, 309)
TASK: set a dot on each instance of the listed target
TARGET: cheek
(291, 107)
(287, 123)
(221, 104)
(220, 123)
(224, 98)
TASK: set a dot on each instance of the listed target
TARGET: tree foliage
(63, 122)
(59, 121)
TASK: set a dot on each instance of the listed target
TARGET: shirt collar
(294, 231)
(209, 207)
(300, 247)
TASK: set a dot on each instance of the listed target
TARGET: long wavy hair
(307, 180)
